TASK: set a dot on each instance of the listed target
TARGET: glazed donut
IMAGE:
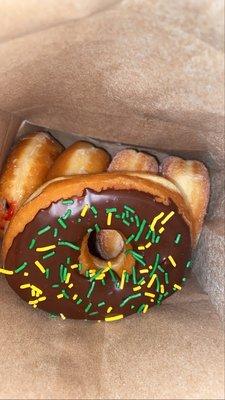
(80, 158)
(25, 170)
(129, 160)
(47, 245)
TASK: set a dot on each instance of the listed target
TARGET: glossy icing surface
(45, 256)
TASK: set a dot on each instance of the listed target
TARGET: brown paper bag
(146, 73)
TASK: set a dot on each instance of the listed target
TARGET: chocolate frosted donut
(50, 238)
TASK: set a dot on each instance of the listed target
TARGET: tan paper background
(145, 72)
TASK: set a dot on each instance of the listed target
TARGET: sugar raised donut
(47, 240)
(24, 171)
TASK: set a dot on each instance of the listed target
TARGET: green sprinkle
(47, 273)
(178, 238)
(188, 265)
(88, 307)
(68, 260)
(157, 257)
(161, 269)
(53, 315)
(137, 220)
(79, 301)
(67, 214)
(93, 313)
(123, 215)
(131, 297)
(97, 228)
(130, 238)
(113, 276)
(44, 230)
(125, 222)
(109, 210)
(157, 284)
(32, 244)
(166, 294)
(99, 272)
(65, 270)
(142, 226)
(65, 294)
(103, 282)
(68, 202)
(91, 289)
(118, 216)
(21, 267)
(56, 285)
(157, 239)
(68, 244)
(153, 237)
(166, 278)
(62, 223)
(127, 214)
(80, 266)
(87, 274)
(137, 257)
(140, 281)
(89, 230)
(94, 210)
(184, 279)
(79, 220)
(141, 308)
(131, 219)
(134, 277)
(148, 234)
(160, 298)
(55, 232)
(101, 304)
(132, 306)
(132, 210)
(127, 276)
(48, 255)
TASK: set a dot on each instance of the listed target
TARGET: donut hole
(100, 248)
(106, 244)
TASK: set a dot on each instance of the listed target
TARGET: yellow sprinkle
(75, 296)
(68, 277)
(148, 245)
(70, 285)
(122, 280)
(150, 283)
(141, 247)
(43, 298)
(34, 305)
(37, 294)
(33, 293)
(144, 271)
(25, 286)
(162, 289)
(166, 219)
(46, 248)
(115, 318)
(152, 301)
(109, 309)
(100, 277)
(60, 296)
(6, 271)
(62, 316)
(143, 282)
(161, 230)
(172, 261)
(33, 302)
(74, 266)
(148, 294)
(109, 264)
(92, 270)
(153, 223)
(145, 308)
(177, 286)
(109, 218)
(136, 288)
(150, 267)
(36, 289)
(40, 266)
(106, 269)
(84, 211)
(25, 274)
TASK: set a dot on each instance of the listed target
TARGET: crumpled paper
(143, 72)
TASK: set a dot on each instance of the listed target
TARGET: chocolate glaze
(146, 208)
